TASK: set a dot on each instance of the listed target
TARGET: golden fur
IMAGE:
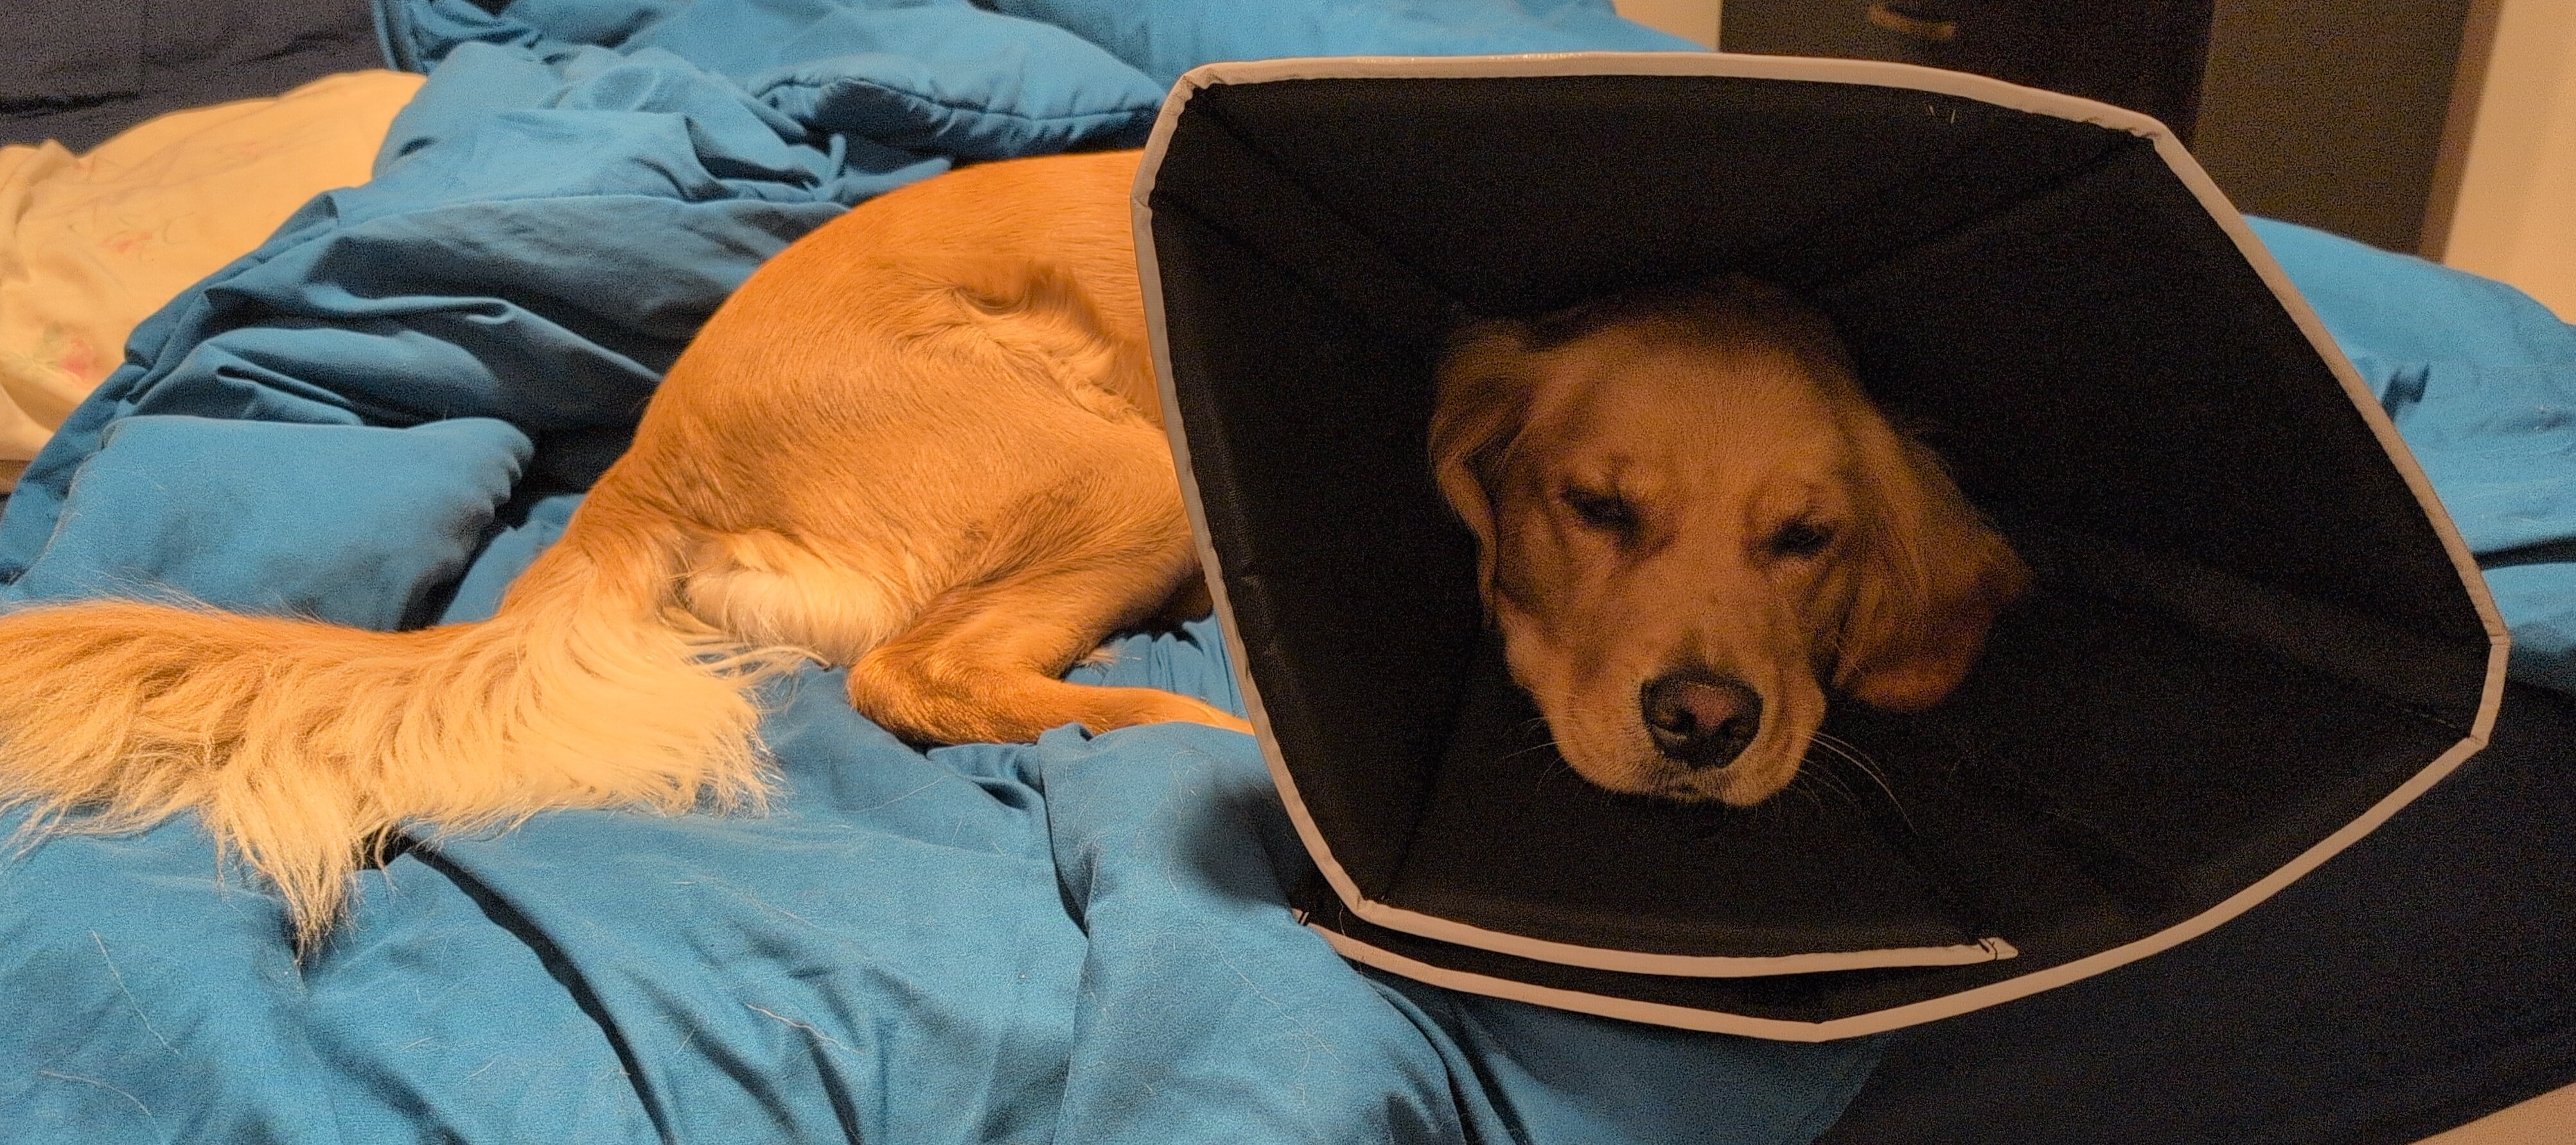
(1690, 520)
(923, 441)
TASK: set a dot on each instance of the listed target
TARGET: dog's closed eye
(1800, 538)
(1606, 512)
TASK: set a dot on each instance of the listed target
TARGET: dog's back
(926, 442)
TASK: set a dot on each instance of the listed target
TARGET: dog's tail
(302, 745)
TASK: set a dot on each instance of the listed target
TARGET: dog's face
(1690, 522)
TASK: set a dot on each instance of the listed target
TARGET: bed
(386, 410)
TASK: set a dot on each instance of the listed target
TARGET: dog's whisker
(1547, 775)
(1830, 777)
(1823, 778)
(1838, 741)
(1860, 761)
(1806, 784)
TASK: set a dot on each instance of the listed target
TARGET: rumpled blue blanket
(385, 412)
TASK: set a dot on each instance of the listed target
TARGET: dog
(1690, 520)
(923, 441)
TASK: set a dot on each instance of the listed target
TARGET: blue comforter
(385, 412)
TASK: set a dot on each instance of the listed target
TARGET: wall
(1694, 20)
(2514, 217)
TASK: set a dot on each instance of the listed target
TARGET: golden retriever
(1690, 519)
(923, 441)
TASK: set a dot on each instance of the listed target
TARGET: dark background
(2331, 113)
(81, 72)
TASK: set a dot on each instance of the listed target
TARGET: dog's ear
(1484, 393)
(1932, 577)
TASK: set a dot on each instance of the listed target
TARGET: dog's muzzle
(1700, 720)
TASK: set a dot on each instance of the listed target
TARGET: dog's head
(1690, 521)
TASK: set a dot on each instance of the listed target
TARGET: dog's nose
(1699, 720)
